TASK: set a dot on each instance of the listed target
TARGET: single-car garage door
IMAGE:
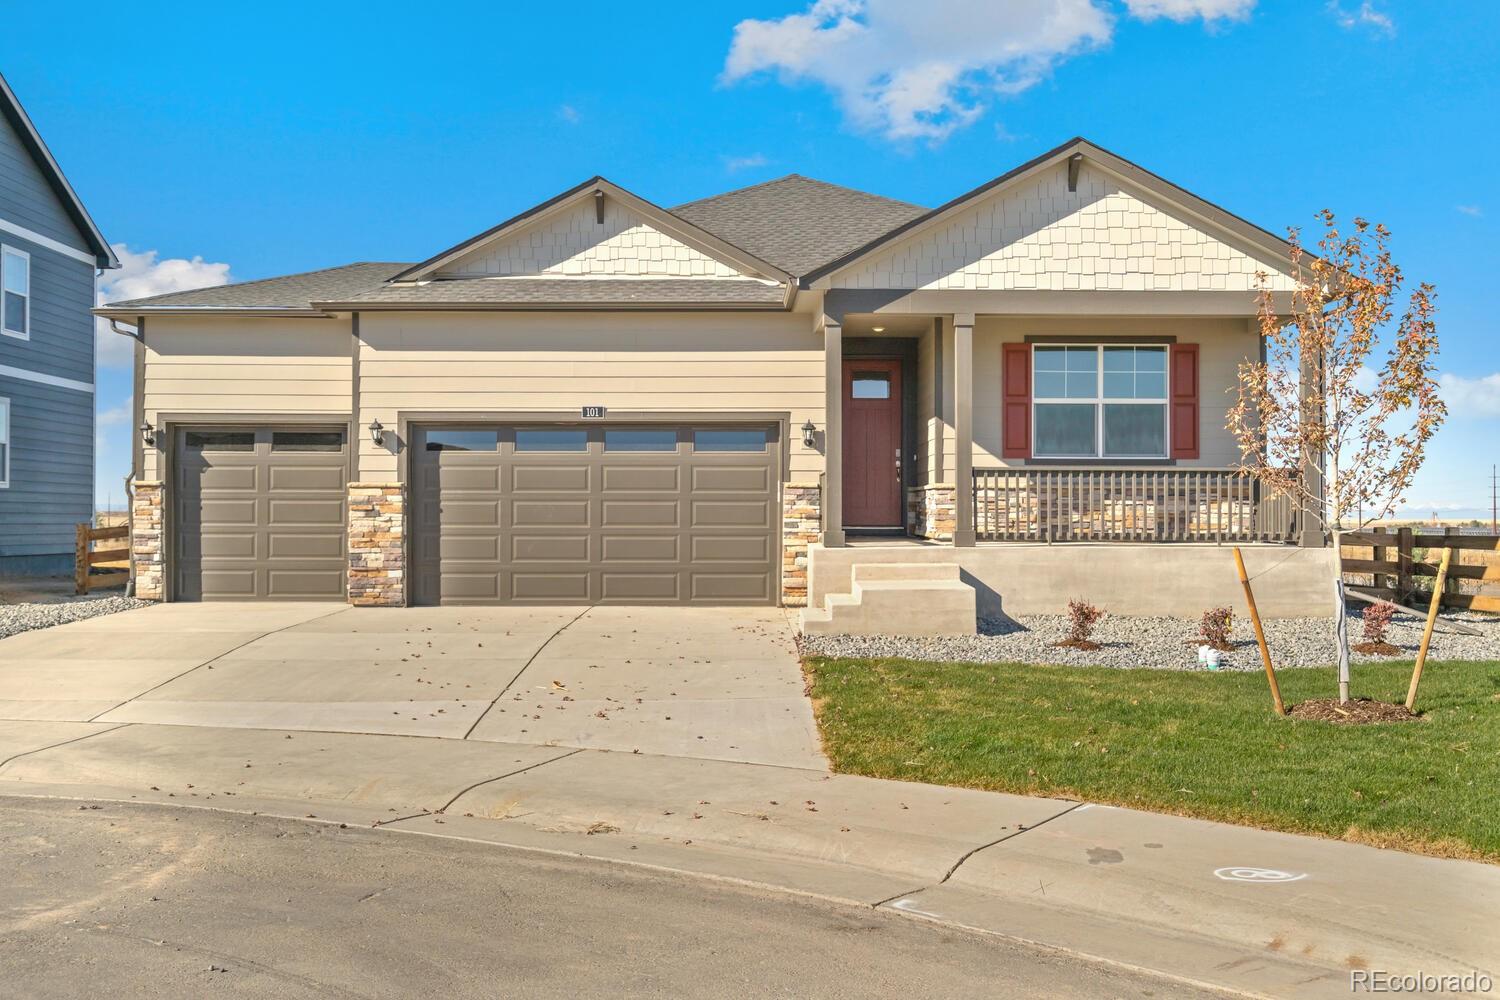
(259, 514)
(595, 514)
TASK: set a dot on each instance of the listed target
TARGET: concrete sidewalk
(1244, 910)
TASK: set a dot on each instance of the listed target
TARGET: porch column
(833, 433)
(963, 429)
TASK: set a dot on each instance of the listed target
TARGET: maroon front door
(872, 444)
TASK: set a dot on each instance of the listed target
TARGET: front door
(872, 443)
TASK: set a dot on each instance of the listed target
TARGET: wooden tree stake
(1260, 635)
(1432, 613)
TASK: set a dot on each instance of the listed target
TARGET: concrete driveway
(720, 683)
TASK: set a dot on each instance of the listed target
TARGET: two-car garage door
(595, 514)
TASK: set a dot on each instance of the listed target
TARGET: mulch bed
(1358, 711)
(1376, 648)
(1083, 644)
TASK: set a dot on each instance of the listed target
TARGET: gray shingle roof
(582, 291)
(798, 223)
(292, 291)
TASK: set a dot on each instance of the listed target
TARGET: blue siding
(26, 198)
(51, 428)
(51, 468)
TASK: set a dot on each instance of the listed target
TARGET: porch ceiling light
(809, 434)
(377, 431)
(878, 329)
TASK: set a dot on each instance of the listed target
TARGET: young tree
(1339, 414)
(1320, 401)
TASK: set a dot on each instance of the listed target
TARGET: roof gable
(796, 222)
(31, 141)
(1075, 218)
(596, 229)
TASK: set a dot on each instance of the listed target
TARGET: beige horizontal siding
(235, 367)
(457, 363)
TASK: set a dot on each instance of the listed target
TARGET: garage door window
(461, 440)
(221, 440)
(640, 439)
(552, 439)
(307, 441)
(729, 439)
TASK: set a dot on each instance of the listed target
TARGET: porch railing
(1128, 505)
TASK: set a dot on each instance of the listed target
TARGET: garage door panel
(528, 586)
(731, 514)
(731, 479)
(549, 548)
(641, 548)
(468, 513)
(607, 514)
(460, 477)
(638, 478)
(549, 513)
(640, 513)
(550, 479)
(626, 587)
(256, 523)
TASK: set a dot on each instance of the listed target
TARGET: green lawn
(1197, 744)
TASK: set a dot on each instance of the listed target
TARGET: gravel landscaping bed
(16, 618)
(1163, 643)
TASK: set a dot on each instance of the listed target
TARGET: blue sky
(273, 138)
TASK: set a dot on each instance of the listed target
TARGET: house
(740, 400)
(49, 252)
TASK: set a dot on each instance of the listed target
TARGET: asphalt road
(125, 901)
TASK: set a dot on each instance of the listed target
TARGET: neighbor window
(15, 278)
(1099, 401)
(4, 443)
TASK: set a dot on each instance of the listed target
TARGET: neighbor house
(49, 252)
(741, 400)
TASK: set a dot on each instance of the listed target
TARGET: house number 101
(593, 412)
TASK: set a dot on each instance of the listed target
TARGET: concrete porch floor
(721, 683)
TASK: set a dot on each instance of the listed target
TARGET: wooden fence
(1128, 505)
(88, 558)
(1406, 560)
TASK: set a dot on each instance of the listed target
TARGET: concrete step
(897, 607)
(870, 572)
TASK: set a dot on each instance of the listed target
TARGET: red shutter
(1016, 382)
(1184, 422)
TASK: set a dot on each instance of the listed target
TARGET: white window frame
(1099, 400)
(10, 251)
(5, 439)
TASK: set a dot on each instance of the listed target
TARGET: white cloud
(114, 415)
(923, 70)
(1473, 211)
(569, 114)
(1471, 397)
(140, 275)
(734, 164)
(1186, 10)
(1366, 16)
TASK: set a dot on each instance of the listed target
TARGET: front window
(1099, 401)
(4, 443)
(15, 292)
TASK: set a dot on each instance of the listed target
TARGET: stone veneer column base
(146, 554)
(801, 525)
(932, 511)
(377, 549)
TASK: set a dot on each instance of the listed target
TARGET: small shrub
(1377, 620)
(1082, 617)
(1217, 624)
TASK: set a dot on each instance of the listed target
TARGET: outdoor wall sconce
(148, 433)
(809, 434)
(377, 431)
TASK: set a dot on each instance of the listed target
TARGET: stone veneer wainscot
(377, 550)
(931, 511)
(801, 525)
(146, 554)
